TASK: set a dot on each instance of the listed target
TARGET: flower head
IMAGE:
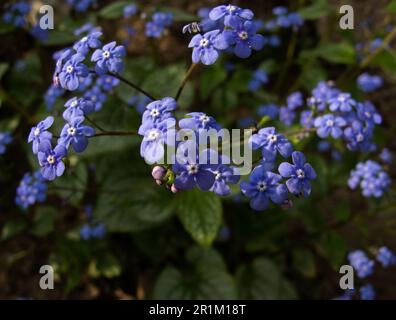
(50, 159)
(76, 107)
(39, 133)
(76, 134)
(329, 124)
(271, 141)
(109, 58)
(71, 72)
(206, 47)
(231, 14)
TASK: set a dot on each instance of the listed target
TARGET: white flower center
(329, 123)
(261, 186)
(69, 69)
(359, 137)
(36, 132)
(272, 138)
(217, 175)
(74, 103)
(154, 113)
(300, 174)
(51, 159)
(243, 35)
(231, 8)
(106, 54)
(204, 119)
(71, 131)
(367, 114)
(153, 135)
(85, 39)
(204, 42)
(341, 99)
(192, 168)
(93, 98)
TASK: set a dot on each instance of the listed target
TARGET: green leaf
(210, 79)
(205, 277)
(391, 7)
(12, 228)
(386, 60)
(201, 214)
(333, 247)
(261, 279)
(181, 15)
(304, 262)
(343, 53)
(318, 9)
(44, 220)
(57, 38)
(3, 69)
(114, 10)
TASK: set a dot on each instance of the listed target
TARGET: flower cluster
(157, 25)
(264, 184)
(31, 189)
(5, 139)
(92, 230)
(16, 14)
(365, 268)
(81, 5)
(231, 29)
(258, 79)
(369, 83)
(284, 19)
(337, 115)
(371, 178)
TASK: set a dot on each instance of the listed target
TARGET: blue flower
(322, 94)
(52, 94)
(109, 58)
(299, 173)
(223, 176)
(71, 71)
(81, 5)
(231, 14)
(367, 292)
(287, 116)
(295, 100)
(163, 18)
(368, 113)
(270, 140)
(363, 265)
(95, 97)
(262, 186)
(386, 156)
(206, 47)
(90, 41)
(5, 139)
(75, 134)
(154, 30)
(271, 110)
(130, 10)
(208, 24)
(156, 135)
(31, 189)
(76, 107)
(50, 159)
(86, 29)
(386, 257)
(245, 38)
(107, 82)
(307, 119)
(357, 137)
(40, 34)
(199, 120)
(259, 78)
(16, 14)
(280, 10)
(329, 125)
(99, 231)
(343, 102)
(369, 83)
(190, 173)
(39, 133)
(159, 110)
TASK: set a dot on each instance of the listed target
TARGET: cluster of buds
(162, 176)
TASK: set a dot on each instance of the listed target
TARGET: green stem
(186, 77)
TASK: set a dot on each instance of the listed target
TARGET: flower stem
(115, 133)
(94, 124)
(186, 77)
(131, 84)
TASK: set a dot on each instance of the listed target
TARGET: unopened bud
(174, 189)
(287, 205)
(158, 172)
(159, 182)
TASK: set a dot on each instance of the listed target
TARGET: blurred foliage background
(194, 244)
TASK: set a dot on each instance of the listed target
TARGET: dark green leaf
(318, 9)
(113, 10)
(12, 228)
(304, 262)
(44, 220)
(201, 214)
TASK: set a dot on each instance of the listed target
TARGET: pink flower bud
(159, 182)
(174, 189)
(158, 172)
